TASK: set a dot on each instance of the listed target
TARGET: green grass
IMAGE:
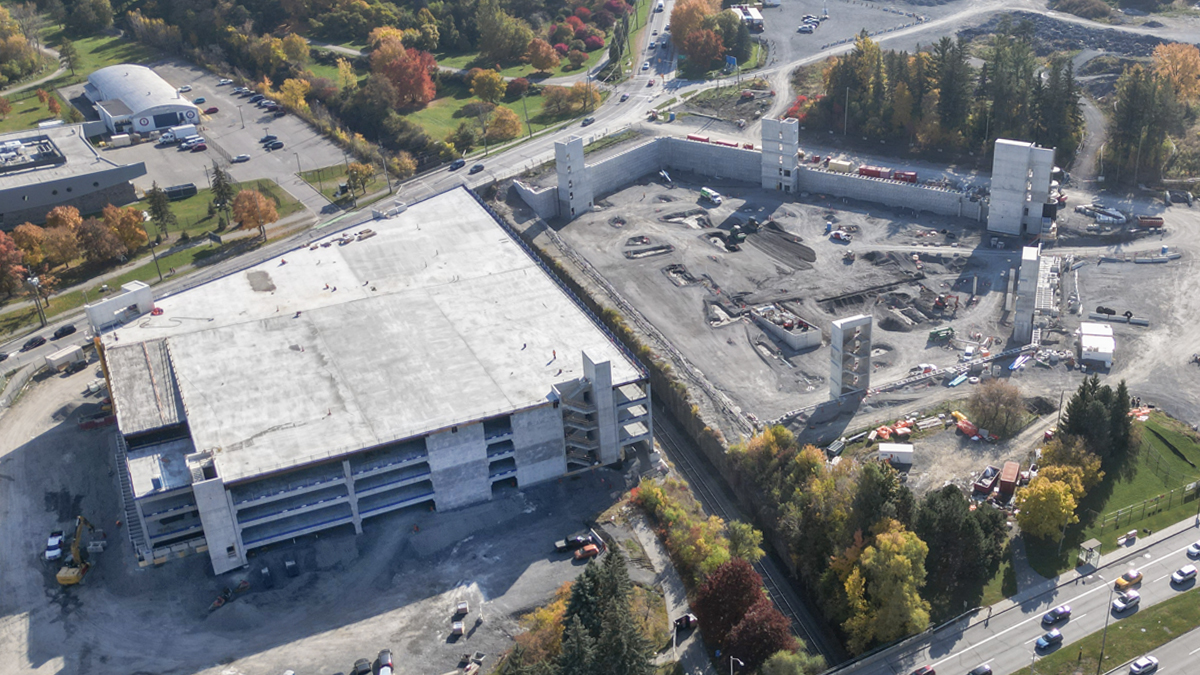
(1003, 583)
(96, 53)
(26, 113)
(327, 179)
(443, 114)
(192, 213)
(468, 60)
(609, 141)
(1127, 639)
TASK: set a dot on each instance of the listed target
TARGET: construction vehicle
(76, 566)
(940, 334)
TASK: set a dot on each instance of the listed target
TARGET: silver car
(1146, 664)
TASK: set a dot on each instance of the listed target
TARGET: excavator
(73, 570)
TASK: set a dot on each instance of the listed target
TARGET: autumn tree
(1179, 64)
(488, 85)
(5, 107)
(402, 165)
(160, 205)
(1046, 507)
(463, 138)
(88, 17)
(1067, 456)
(53, 106)
(504, 125)
(99, 242)
(577, 58)
(556, 100)
(798, 662)
(688, 16)
(745, 542)
(725, 597)
(702, 47)
(762, 631)
(502, 38)
(251, 209)
(12, 268)
(64, 216)
(126, 223)
(296, 49)
(584, 96)
(60, 246)
(410, 71)
(883, 591)
(293, 93)
(542, 55)
(28, 237)
(347, 78)
(996, 405)
(42, 96)
(358, 176)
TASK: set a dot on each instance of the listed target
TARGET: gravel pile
(1051, 35)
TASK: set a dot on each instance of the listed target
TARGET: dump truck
(1008, 477)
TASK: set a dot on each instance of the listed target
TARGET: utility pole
(155, 256)
(846, 114)
(1104, 638)
(1137, 164)
(525, 106)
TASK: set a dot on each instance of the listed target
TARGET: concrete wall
(544, 201)
(889, 192)
(458, 467)
(780, 145)
(712, 160)
(220, 531)
(89, 193)
(111, 311)
(794, 339)
(616, 172)
(576, 190)
(540, 451)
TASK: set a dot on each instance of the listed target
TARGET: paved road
(1005, 641)
(1181, 655)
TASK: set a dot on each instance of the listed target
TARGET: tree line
(705, 34)
(935, 98)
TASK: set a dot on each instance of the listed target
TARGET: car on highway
(33, 343)
(587, 121)
(198, 100)
(273, 145)
(646, 66)
(222, 83)
(1057, 614)
(185, 88)
(54, 545)
(1194, 550)
(212, 111)
(1146, 664)
(654, 32)
(1129, 579)
(1126, 600)
(624, 97)
(64, 331)
(589, 551)
(1185, 573)
(650, 83)
(476, 169)
(924, 670)
(457, 164)
(667, 28)
(985, 669)
(1050, 639)
(241, 158)
(653, 45)
(268, 138)
(3, 355)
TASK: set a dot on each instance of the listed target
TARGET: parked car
(805, 28)
(573, 542)
(1185, 573)
(198, 100)
(279, 112)
(1129, 579)
(267, 139)
(199, 147)
(385, 662)
(54, 545)
(185, 88)
(1146, 664)
(1050, 639)
(256, 98)
(274, 145)
(589, 551)
(222, 83)
(477, 168)
(33, 343)
(361, 667)
(241, 158)
(457, 164)
(924, 670)
(212, 111)
(1057, 614)
(1126, 600)
(64, 331)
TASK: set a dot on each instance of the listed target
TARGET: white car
(241, 158)
(805, 28)
(54, 545)
(1146, 664)
(1185, 573)
(185, 88)
(1193, 551)
(222, 83)
(646, 66)
(1126, 600)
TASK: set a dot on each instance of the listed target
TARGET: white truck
(177, 134)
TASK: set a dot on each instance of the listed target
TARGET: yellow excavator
(72, 572)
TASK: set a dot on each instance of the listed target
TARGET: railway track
(700, 478)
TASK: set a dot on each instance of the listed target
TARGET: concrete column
(458, 466)
(575, 189)
(353, 497)
(600, 375)
(539, 448)
(225, 548)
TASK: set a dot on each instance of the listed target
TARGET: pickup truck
(574, 542)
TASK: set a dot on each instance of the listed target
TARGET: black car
(33, 343)
(457, 164)
(924, 670)
(268, 138)
(477, 168)
(280, 112)
(274, 145)
(64, 331)
(3, 355)
(361, 667)
(981, 670)
(75, 367)
(256, 98)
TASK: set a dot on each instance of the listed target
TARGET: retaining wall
(712, 160)
(616, 172)
(890, 193)
(544, 202)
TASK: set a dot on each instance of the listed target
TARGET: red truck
(874, 171)
(1150, 222)
(905, 176)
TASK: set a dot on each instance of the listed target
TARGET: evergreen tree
(622, 649)
(578, 655)
(584, 603)
(160, 209)
(222, 188)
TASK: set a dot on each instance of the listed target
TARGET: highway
(1178, 657)
(1005, 641)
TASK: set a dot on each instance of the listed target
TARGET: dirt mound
(1052, 35)
(1040, 405)
(783, 246)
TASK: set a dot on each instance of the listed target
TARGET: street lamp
(35, 283)
(733, 661)
(241, 117)
(155, 256)
(1104, 638)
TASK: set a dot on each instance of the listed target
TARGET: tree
(763, 631)
(556, 100)
(64, 216)
(621, 648)
(725, 597)
(1066, 458)
(347, 78)
(516, 87)
(28, 237)
(502, 38)
(359, 175)
(463, 138)
(53, 106)
(293, 93)
(160, 204)
(488, 85)
(42, 96)
(99, 242)
(222, 190)
(252, 209)
(996, 405)
(745, 542)
(577, 58)
(409, 70)
(798, 662)
(688, 16)
(542, 55)
(584, 96)
(88, 17)
(1046, 508)
(702, 47)
(504, 125)
(5, 107)
(68, 54)
(296, 49)
(60, 246)
(126, 223)
(879, 496)
(965, 545)
(403, 165)
(578, 649)
(12, 269)
(883, 591)
(1179, 64)
(1100, 416)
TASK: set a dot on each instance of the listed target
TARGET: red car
(199, 147)
(211, 111)
(587, 552)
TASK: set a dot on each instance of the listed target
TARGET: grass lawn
(444, 113)
(1002, 585)
(192, 213)
(1128, 638)
(26, 113)
(331, 72)
(327, 179)
(96, 53)
(470, 60)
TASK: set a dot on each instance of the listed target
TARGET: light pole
(155, 256)
(733, 661)
(1104, 638)
(35, 283)
(241, 117)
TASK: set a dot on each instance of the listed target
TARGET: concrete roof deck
(144, 385)
(164, 462)
(82, 158)
(439, 319)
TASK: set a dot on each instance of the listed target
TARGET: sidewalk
(690, 650)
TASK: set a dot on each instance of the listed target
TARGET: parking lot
(235, 129)
(394, 587)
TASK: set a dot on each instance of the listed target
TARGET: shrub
(1088, 9)
(516, 87)
(562, 49)
(593, 42)
(583, 13)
